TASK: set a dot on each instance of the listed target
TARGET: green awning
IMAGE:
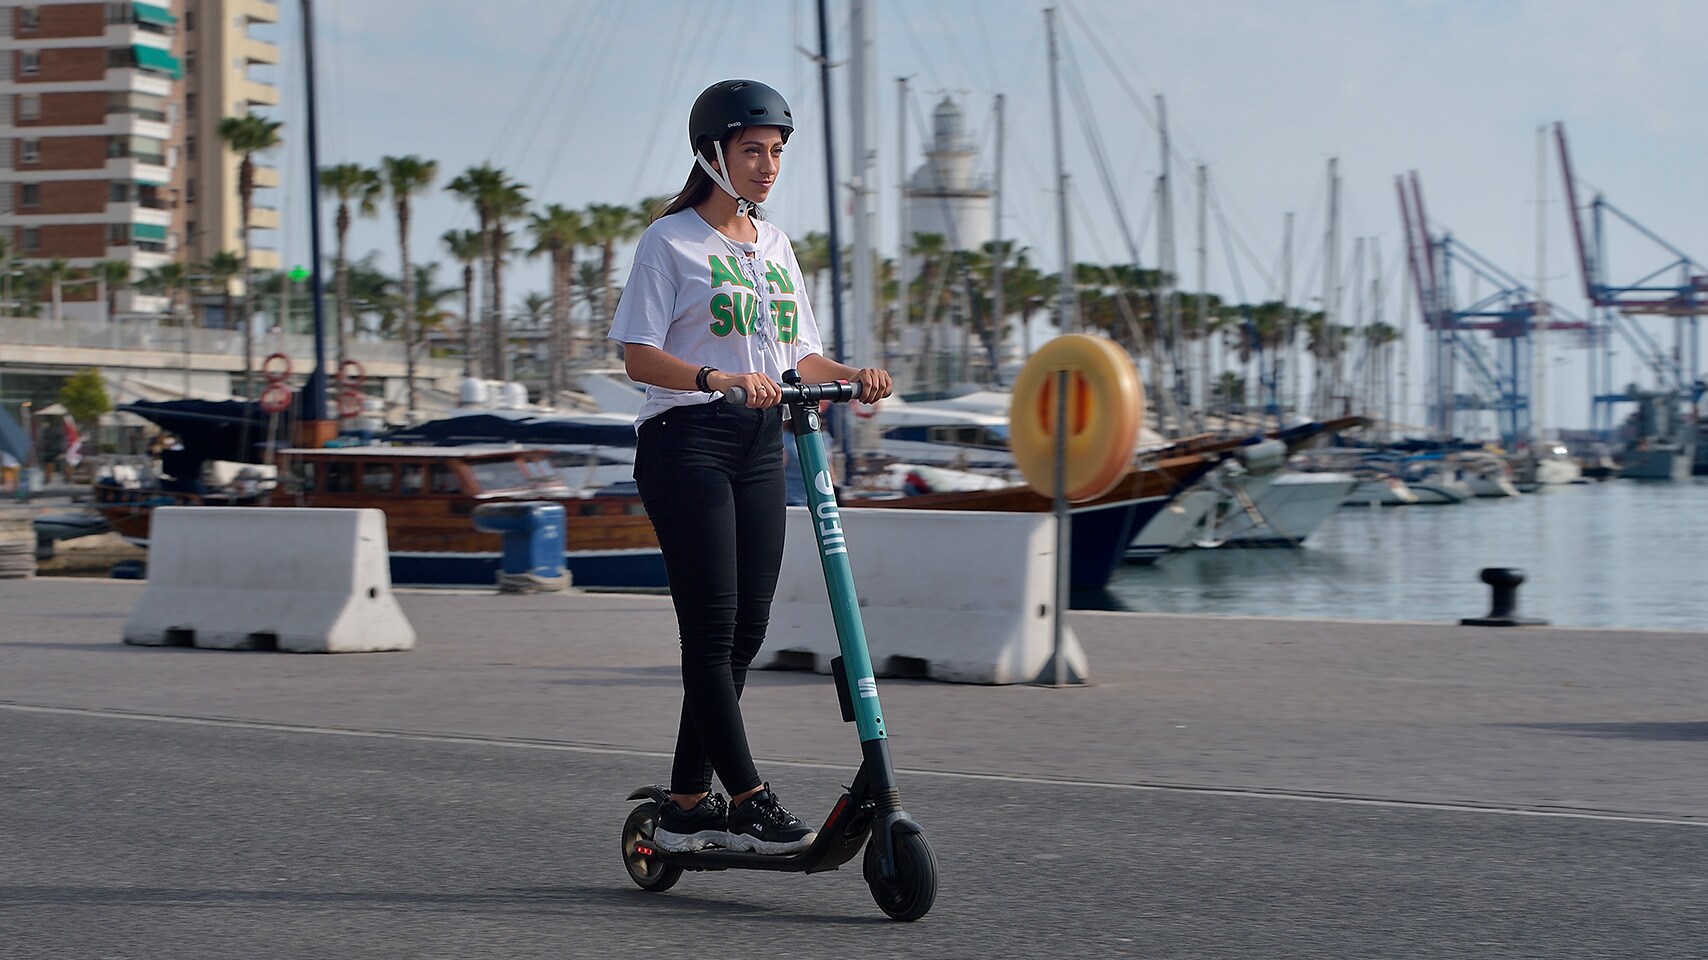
(147, 231)
(149, 13)
(154, 58)
(150, 183)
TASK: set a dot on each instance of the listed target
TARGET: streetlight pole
(314, 429)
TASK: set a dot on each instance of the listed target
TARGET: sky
(586, 101)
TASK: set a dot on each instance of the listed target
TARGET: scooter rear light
(643, 849)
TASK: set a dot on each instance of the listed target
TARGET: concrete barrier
(269, 578)
(951, 595)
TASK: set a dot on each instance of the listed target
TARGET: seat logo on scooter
(830, 539)
(868, 687)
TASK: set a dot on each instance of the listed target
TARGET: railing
(152, 335)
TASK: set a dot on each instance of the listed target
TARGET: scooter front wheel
(910, 895)
(645, 869)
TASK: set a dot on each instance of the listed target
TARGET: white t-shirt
(712, 301)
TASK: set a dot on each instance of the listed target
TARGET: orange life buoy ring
(268, 370)
(1105, 408)
(351, 371)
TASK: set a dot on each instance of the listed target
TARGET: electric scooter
(899, 866)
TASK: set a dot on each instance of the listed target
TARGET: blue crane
(1621, 305)
(1500, 374)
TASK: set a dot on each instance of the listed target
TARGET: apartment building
(108, 142)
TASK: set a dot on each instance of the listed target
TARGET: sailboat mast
(864, 175)
(1166, 266)
(998, 253)
(1204, 386)
(1066, 320)
(1539, 352)
(901, 267)
(1331, 288)
(1289, 321)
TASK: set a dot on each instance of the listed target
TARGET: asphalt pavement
(1225, 788)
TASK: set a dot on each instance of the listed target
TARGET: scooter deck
(842, 836)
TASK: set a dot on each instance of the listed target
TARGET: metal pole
(1066, 320)
(1064, 529)
(998, 255)
(901, 273)
(314, 393)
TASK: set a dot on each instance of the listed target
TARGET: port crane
(1497, 375)
(1677, 288)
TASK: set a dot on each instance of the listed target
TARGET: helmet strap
(742, 205)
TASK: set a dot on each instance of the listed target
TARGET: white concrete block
(297, 579)
(952, 595)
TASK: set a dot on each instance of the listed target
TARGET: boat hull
(1101, 528)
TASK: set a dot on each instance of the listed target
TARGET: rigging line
(531, 90)
(572, 120)
(952, 33)
(1076, 89)
(673, 80)
(1233, 262)
(1215, 199)
(930, 62)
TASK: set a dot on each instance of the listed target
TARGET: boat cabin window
(340, 478)
(970, 436)
(500, 475)
(308, 476)
(377, 477)
(411, 478)
(444, 480)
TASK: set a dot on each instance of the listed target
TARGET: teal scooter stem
(899, 866)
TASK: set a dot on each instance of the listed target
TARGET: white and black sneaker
(684, 831)
(760, 824)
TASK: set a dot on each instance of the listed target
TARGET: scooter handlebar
(836, 391)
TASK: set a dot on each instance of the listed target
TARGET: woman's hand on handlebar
(761, 391)
(874, 383)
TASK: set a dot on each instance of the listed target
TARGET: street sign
(298, 274)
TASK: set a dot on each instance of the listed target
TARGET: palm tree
(355, 184)
(54, 273)
(607, 226)
(465, 247)
(114, 276)
(405, 177)
(169, 279)
(222, 268)
(496, 198)
(812, 252)
(556, 232)
(248, 135)
(510, 204)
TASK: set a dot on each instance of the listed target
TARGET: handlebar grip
(836, 391)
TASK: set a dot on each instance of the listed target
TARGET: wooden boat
(428, 495)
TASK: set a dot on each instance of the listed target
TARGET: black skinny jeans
(711, 477)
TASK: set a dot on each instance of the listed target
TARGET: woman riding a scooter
(715, 302)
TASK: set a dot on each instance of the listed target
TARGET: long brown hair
(700, 183)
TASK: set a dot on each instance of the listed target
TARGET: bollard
(533, 538)
(1503, 607)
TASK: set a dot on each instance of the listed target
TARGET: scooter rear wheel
(648, 872)
(910, 895)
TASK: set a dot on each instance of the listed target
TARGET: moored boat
(428, 495)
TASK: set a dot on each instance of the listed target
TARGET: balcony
(258, 94)
(255, 51)
(139, 212)
(266, 176)
(141, 169)
(257, 11)
(263, 218)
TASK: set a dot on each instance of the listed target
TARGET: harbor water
(1617, 554)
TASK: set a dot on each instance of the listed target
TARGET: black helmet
(731, 104)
